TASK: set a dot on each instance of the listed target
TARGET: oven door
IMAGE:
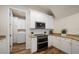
(42, 39)
(42, 46)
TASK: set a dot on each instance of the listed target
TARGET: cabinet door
(50, 41)
(66, 45)
(34, 45)
(36, 16)
(49, 22)
(56, 42)
(33, 18)
(75, 47)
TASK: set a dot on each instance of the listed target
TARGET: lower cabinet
(61, 43)
(56, 42)
(66, 45)
(34, 45)
(50, 40)
(75, 47)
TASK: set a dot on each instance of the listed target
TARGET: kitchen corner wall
(71, 23)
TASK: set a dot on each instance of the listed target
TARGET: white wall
(4, 18)
(3, 23)
(71, 23)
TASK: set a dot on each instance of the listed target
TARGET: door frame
(10, 10)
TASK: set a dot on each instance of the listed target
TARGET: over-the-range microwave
(39, 25)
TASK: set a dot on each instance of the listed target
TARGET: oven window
(42, 46)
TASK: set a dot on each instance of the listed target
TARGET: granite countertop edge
(74, 37)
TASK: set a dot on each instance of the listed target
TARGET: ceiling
(61, 11)
(18, 13)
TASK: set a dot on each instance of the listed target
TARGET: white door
(11, 29)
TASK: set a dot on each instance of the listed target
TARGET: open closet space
(17, 30)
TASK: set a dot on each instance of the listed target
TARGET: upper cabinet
(49, 22)
(37, 16)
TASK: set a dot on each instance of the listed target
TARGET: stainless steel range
(42, 42)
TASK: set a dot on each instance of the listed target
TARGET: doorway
(17, 30)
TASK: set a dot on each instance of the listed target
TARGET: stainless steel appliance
(42, 42)
(40, 25)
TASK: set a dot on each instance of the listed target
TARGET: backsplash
(40, 31)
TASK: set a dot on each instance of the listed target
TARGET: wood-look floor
(20, 49)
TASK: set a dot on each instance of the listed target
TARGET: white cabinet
(50, 40)
(61, 43)
(49, 22)
(75, 47)
(34, 45)
(37, 16)
(66, 45)
(56, 42)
